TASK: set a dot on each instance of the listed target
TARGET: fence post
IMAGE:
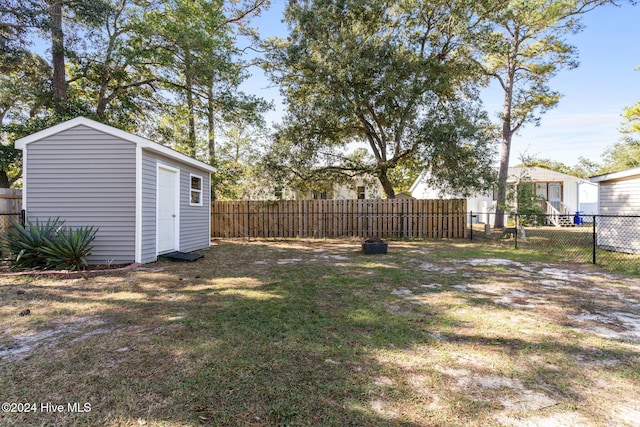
(515, 228)
(325, 223)
(594, 239)
(248, 221)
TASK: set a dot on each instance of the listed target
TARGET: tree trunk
(212, 135)
(103, 99)
(188, 82)
(387, 186)
(4, 180)
(503, 175)
(210, 127)
(57, 52)
(507, 135)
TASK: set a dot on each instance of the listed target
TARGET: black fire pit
(374, 246)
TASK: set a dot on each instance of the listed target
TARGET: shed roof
(616, 175)
(138, 140)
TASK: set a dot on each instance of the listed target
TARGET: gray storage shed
(619, 194)
(146, 199)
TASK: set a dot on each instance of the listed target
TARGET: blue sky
(586, 121)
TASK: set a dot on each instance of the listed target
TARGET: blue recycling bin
(577, 218)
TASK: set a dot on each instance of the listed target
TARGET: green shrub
(25, 244)
(70, 248)
(49, 245)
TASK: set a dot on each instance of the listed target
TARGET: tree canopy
(389, 76)
(170, 70)
(374, 88)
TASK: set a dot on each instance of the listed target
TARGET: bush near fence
(384, 218)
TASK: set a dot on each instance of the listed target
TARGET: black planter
(374, 247)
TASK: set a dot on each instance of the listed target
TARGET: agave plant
(49, 245)
(25, 243)
(69, 248)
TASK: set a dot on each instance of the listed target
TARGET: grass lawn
(312, 332)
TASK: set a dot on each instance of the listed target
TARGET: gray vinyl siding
(618, 197)
(87, 178)
(194, 220)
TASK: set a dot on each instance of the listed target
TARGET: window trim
(199, 191)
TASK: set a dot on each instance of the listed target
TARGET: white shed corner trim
(138, 249)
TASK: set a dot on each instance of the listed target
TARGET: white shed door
(167, 225)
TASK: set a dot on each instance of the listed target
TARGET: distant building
(560, 194)
(619, 194)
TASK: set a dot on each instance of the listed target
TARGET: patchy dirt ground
(509, 342)
(586, 301)
(610, 304)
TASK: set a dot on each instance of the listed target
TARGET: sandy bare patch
(613, 324)
(561, 419)
(403, 292)
(289, 261)
(509, 392)
(492, 262)
(384, 409)
(428, 266)
(20, 346)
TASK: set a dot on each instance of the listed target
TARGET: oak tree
(390, 76)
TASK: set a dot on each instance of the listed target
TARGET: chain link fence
(7, 219)
(610, 241)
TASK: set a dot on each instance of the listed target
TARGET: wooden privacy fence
(10, 208)
(10, 200)
(409, 218)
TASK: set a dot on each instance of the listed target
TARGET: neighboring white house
(619, 194)
(356, 189)
(479, 203)
(367, 187)
(145, 199)
(559, 193)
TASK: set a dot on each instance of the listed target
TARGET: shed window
(196, 190)
(360, 192)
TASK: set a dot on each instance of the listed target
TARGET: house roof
(139, 141)
(419, 179)
(529, 174)
(616, 175)
(535, 173)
